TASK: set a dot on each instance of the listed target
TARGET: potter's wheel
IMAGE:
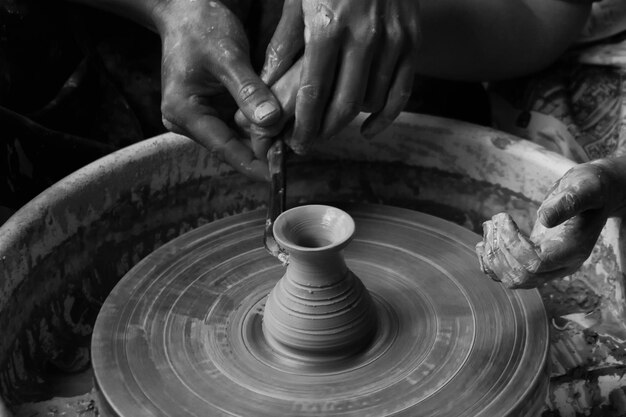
(181, 333)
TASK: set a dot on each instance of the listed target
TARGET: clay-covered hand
(262, 137)
(205, 66)
(359, 55)
(569, 222)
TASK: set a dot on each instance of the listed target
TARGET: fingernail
(544, 218)
(265, 110)
(300, 148)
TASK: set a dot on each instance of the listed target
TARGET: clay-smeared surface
(62, 253)
(181, 333)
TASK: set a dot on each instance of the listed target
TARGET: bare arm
(494, 39)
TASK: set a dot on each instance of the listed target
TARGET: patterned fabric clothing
(576, 107)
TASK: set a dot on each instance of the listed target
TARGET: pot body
(319, 307)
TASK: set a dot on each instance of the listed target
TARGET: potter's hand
(205, 61)
(284, 90)
(569, 222)
(358, 55)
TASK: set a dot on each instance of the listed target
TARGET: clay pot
(319, 306)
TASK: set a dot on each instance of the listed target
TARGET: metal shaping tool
(277, 197)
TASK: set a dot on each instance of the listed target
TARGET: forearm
(494, 39)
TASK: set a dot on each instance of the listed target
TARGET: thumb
(286, 43)
(561, 206)
(252, 95)
(285, 90)
(579, 190)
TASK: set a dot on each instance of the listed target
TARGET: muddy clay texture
(63, 252)
(202, 340)
(588, 354)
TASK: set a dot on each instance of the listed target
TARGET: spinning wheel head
(185, 331)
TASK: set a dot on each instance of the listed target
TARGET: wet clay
(319, 308)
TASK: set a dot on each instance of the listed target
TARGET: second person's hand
(570, 220)
(359, 55)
